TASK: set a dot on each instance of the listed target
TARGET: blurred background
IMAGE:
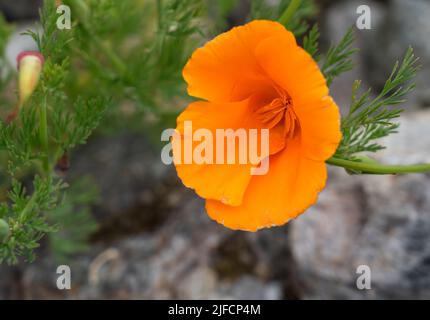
(154, 240)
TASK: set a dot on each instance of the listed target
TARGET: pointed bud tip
(24, 54)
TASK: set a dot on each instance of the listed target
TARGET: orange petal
(224, 182)
(225, 69)
(295, 71)
(292, 68)
(320, 126)
(290, 187)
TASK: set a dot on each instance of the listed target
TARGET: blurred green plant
(135, 56)
(47, 127)
(298, 23)
(72, 218)
(5, 74)
(115, 64)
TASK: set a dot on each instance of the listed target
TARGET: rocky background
(155, 241)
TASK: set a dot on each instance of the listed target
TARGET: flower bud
(4, 230)
(30, 66)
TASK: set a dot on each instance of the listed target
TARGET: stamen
(280, 109)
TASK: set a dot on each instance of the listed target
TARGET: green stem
(289, 12)
(159, 13)
(376, 168)
(43, 134)
(29, 206)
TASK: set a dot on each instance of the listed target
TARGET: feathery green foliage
(141, 59)
(5, 74)
(73, 219)
(310, 42)
(27, 153)
(25, 219)
(371, 119)
(338, 58)
(111, 57)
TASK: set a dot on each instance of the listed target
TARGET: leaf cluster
(26, 219)
(370, 119)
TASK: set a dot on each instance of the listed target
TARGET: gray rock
(406, 24)
(182, 260)
(379, 221)
(411, 144)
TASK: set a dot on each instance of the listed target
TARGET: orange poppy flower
(256, 76)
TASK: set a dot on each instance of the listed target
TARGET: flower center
(279, 110)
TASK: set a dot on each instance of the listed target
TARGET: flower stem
(29, 206)
(43, 135)
(289, 12)
(376, 168)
